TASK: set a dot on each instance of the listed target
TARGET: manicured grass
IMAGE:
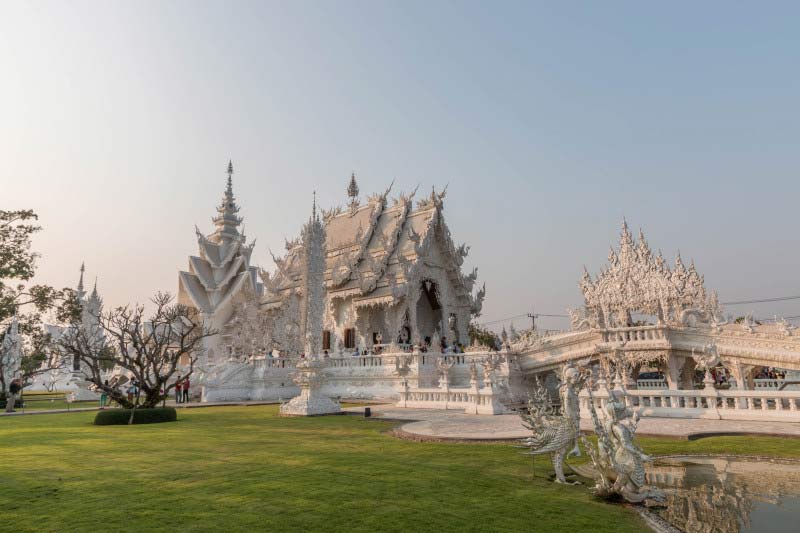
(245, 469)
(46, 401)
(734, 445)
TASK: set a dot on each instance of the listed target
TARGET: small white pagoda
(310, 371)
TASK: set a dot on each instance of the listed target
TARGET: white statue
(11, 351)
(707, 359)
(784, 328)
(444, 364)
(618, 460)
(553, 432)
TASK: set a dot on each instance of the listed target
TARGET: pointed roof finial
(80, 281)
(352, 189)
(229, 190)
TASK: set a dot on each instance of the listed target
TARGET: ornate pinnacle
(314, 206)
(80, 281)
(352, 189)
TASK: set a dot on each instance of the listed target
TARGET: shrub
(120, 417)
(4, 402)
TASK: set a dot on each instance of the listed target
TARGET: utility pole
(532, 316)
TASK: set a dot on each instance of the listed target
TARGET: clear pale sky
(550, 121)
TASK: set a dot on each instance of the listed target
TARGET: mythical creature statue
(784, 328)
(707, 359)
(579, 319)
(618, 460)
(402, 368)
(444, 365)
(554, 432)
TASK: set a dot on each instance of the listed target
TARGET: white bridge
(742, 349)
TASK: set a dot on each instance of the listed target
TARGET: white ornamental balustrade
(635, 334)
(709, 403)
(483, 401)
(767, 383)
(648, 384)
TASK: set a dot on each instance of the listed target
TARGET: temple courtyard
(239, 468)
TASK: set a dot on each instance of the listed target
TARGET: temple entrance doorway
(429, 310)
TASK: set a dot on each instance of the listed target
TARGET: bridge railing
(767, 383)
(764, 404)
(636, 333)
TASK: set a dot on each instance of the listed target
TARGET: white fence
(767, 383)
(765, 404)
(472, 401)
(651, 384)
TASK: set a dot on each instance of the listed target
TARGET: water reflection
(728, 495)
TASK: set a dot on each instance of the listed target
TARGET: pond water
(728, 495)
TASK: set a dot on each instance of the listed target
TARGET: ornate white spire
(313, 282)
(227, 221)
(636, 281)
(80, 291)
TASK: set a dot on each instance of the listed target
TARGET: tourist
(14, 388)
(186, 390)
(178, 389)
(104, 396)
(131, 391)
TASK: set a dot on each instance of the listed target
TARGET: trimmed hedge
(120, 417)
(17, 403)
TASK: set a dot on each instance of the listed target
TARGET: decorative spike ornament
(352, 191)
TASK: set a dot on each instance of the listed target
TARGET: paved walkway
(434, 424)
(430, 424)
(188, 405)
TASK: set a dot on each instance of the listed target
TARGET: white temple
(389, 281)
(67, 375)
(389, 270)
(373, 294)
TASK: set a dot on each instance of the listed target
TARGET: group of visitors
(771, 373)
(447, 348)
(182, 390)
(133, 390)
(14, 388)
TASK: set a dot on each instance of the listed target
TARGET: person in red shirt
(178, 390)
(186, 390)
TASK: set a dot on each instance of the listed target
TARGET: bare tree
(150, 349)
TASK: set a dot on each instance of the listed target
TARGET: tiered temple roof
(372, 248)
(222, 268)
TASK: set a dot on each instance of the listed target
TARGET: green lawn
(245, 469)
(741, 445)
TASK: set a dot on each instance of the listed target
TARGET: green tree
(482, 336)
(28, 302)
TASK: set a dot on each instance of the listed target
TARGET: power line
(737, 302)
(503, 320)
(524, 315)
(766, 300)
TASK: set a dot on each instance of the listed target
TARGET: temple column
(412, 316)
(675, 365)
(687, 376)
